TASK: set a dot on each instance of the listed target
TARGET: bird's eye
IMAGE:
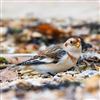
(71, 42)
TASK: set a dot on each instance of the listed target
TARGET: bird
(56, 58)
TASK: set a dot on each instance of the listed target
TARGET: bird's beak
(77, 44)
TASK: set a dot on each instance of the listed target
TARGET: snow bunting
(56, 58)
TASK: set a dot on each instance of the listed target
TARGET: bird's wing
(54, 51)
(51, 55)
(39, 60)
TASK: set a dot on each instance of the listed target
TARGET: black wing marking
(60, 54)
(37, 61)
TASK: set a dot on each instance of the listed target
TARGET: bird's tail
(26, 62)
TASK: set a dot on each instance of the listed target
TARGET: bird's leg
(77, 68)
(51, 74)
(46, 75)
(93, 66)
(21, 63)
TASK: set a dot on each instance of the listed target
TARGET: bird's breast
(67, 62)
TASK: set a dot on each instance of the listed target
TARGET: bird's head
(73, 45)
(73, 42)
